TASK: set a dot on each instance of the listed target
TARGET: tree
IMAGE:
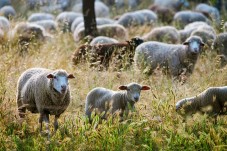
(89, 18)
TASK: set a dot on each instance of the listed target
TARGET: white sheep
(167, 34)
(40, 16)
(110, 30)
(43, 91)
(76, 22)
(212, 100)
(50, 26)
(172, 4)
(105, 100)
(183, 18)
(103, 40)
(174, 58)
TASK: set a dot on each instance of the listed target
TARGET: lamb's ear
(185, 43)
(71, 76)
(123, 87)
(144, 87)
(50, 76)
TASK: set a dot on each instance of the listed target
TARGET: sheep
(167, 34)
(8, 11)
(4, 24)
(40, 16)
(220, 46)
(139, 17)
(106, 100)
(65, 20)
(76, 22)
(43, 91)
(49, 25)
(211, 101)
(172, 4)
(110, 30)
(101, 55)
(183, 18)
(101, 10)
(102, 40)
(209, 11)
(174, 58)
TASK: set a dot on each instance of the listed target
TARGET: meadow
(154, 125)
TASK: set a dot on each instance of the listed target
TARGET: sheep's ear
(202, 44)
(144, 87)
(185, 43)
(71, 76)
(123, 87)
(50, 76)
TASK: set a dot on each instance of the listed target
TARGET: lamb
(105, 100)
(40, 16)
(101, 55)
(167, 34)
(174, 58)
(183, 18)
(212, 101)
(43, 91)
(8, 11)
(110, 30)
(65, 20)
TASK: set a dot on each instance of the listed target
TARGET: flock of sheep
(174, 48)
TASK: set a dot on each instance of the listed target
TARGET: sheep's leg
(44, 117)
(21, 108)
(56, 122)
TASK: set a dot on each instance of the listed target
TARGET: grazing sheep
(109, 30)
(183, 18)
(172, 4)
(139, 17)
(50, 26)
(40, 16)
(102, 40)
(43, 91)
(165, 14)
(171, 57)
(168, 34)
(220, 45)
(101, 10)
(8, 12)
(76, 22)
(100, 55)
(209, 11)
(65, 20)
(105, 100)
(212, 100)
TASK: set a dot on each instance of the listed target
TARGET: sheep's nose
(196, 50)
(136, 98)
(63, 88)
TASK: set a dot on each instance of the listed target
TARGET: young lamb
(43, 91)
(168, 34)
(212, 100)
(173, 58)
(105, 100)
(104, 53)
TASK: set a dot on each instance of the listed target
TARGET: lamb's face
(194, 44)
(133, 91)
(60, 81)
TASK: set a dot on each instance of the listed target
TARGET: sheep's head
(133, 90)
(136, 41)
(195, 44)
(59, 81)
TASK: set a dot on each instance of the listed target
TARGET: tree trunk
(89, 18)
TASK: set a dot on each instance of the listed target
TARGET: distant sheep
(174, 58)
(209, 11)
(50, 26)
(168, 34)
(101, 10)
(212, 100)
(76, 22)
(183, 18)
(102, 40)
(105, 100)
(65, 20)
(40, 16)
(43, 91)
(101, 55)
(172, 4)
(8, 11)
(140, 17)
(109, 30)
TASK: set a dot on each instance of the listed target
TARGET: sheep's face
(133, 91)
(136, 41)
(60, 81)
(194, 44)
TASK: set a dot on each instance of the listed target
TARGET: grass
(153, 126)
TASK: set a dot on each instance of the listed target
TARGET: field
(154, 125)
